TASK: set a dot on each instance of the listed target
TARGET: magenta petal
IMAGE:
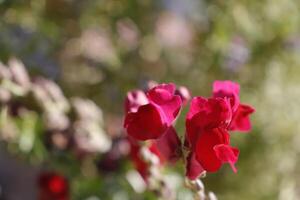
(193, 168)
(227, 89)
(170, 87)
(241, 119)
(145, 124)
(227, 154)
(161, 93)
(170, 109)
(168, 104)
(226, 86)
(134, 99)
(169, 145)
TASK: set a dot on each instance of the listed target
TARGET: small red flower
(53, 186)
(207, 124)
(150, 115)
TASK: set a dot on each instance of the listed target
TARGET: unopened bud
(196, 185)
(199, 185)
(145, 154)
(212, 196)
(154, 172)
(199, 195)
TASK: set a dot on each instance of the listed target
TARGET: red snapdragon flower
(149, 115)
(53, 186)
(207, 124)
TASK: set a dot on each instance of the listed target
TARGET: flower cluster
(74, 124)
(151, 115)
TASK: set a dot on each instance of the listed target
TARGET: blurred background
(98, 50)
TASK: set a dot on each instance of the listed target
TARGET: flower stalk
(197, 187)
(156, 180)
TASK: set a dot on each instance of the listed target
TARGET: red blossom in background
(207, 124)
(53, 186)
(150, 115)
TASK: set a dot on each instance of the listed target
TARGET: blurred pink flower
(174, 31)
(128, 33)
(97, 46)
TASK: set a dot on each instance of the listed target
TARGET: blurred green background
(101, 49)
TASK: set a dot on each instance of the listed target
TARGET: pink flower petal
(134, 100)
(166, 101)
(170, 87)
(226, 86)
(227, 89)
